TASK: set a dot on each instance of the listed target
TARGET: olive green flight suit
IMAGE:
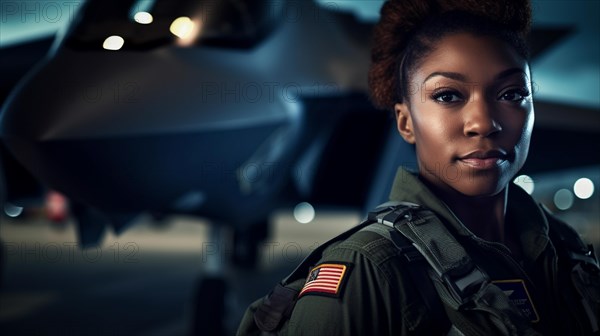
(379, 297)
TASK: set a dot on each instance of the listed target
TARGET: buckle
(391, 214)
(462, 287)
(587, 260)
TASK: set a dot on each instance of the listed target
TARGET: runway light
(583, 188)
(182, 27)
(12, 210)
(525, 182)
(563, 199)
(143, 18)
(304, 213)
(113, 42)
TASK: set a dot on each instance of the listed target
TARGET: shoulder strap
(417, 268)
(582, 265)
(441, 250)
(460, 283)
(564, 237)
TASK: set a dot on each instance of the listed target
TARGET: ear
(404, 122)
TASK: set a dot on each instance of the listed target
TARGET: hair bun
(514, 14)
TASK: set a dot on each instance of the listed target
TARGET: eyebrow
(462, 78)
(452, 75)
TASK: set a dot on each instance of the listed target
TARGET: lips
(480, 159)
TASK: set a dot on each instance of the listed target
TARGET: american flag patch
(325, 279)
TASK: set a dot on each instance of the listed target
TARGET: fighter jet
(204, 111)
(225, 110)
(220, 109)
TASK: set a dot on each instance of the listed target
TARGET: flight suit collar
(521, 208)
(532, 224)
(408, 187)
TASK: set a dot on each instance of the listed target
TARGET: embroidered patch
(517, 294)
(326, 280)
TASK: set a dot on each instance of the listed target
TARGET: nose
(479, 119)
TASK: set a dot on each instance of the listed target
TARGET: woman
(456, 75)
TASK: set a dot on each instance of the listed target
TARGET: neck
(484, 216)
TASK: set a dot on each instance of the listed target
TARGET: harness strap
(460, 284)
(444, 254)
(417, 270)
(275, 307)
(584, 267)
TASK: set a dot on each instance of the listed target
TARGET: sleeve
(247, 325)
(363, 305)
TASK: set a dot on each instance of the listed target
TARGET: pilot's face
(470, 114)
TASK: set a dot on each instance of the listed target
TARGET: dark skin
(471, 122)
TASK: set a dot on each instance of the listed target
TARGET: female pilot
(457, 77)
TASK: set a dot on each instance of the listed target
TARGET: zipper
(554, 288)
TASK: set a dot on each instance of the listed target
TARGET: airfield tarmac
(138, 283)
(143, 281)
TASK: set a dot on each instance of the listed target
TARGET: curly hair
(408, 30)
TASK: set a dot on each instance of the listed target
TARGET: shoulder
(570, 248)
(353, 283)
(374, 242)
(563, 234)
(372, 252)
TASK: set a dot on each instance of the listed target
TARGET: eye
(514, 95)
(445, 97)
